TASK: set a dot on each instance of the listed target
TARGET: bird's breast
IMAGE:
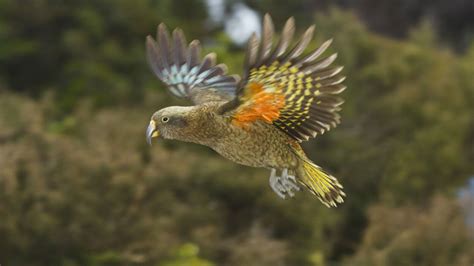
(259, 145)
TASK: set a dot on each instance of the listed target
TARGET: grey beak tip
(149, 133)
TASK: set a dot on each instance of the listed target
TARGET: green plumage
(305, 85)
(309, 83)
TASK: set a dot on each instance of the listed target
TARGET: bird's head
(169, 123)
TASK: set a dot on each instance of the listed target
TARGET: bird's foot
(283, 185)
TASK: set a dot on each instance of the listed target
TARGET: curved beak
(151, 132)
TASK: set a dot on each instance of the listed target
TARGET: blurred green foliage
(187, 255)
(78, 48)
(79, 185)
(408, 235)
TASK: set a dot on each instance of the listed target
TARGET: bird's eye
(164, 119)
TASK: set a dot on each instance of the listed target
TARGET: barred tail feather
(323, 185)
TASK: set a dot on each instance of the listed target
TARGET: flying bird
(285, 97)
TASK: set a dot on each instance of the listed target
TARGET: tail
(323, 185)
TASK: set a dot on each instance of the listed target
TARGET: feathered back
(181, 69)
(296, 93)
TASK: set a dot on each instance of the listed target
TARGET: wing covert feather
(296, 93)
(184, 73)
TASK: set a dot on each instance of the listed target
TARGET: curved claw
(283, 185)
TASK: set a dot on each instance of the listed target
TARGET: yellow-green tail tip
(323, 185)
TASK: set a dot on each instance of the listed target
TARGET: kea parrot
(285, 97)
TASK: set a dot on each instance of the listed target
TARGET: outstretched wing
(297, 94)
(182, 70)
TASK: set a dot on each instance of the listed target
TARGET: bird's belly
(258, 147)
(246, 156)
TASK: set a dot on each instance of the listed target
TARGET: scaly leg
(276, 185)
(283, 185)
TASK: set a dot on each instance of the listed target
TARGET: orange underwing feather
(296, 92)
(259, 105)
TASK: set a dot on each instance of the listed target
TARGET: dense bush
(79, 185)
